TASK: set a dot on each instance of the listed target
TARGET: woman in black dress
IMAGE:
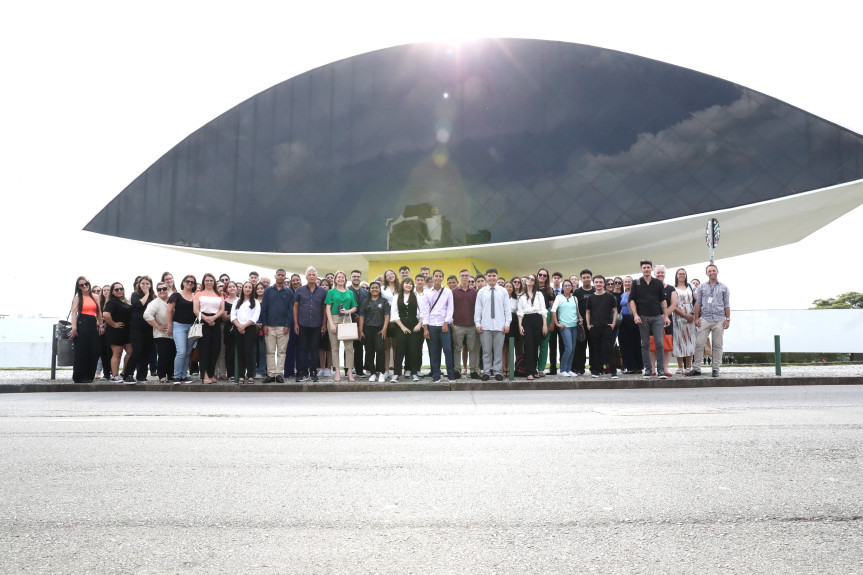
(140, 332)
(86, 326)
(117, 313)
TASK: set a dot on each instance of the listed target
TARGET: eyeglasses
(542, 275)
(190, 282)
(162, 289)
(83, 285)
(119, 289)
(617, 283)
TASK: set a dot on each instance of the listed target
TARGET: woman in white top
(564, 316)
(406, 316)
(532, 325)
(244, 315)
(156, 314)
(211, 308)
(392, 286)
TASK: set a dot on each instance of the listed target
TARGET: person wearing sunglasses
(156, 314)
(117, 313)
(86, 317)
(140, 333)
(180, 317)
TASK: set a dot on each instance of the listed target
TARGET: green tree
(849, 300)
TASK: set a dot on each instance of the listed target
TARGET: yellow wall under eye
(449, 266)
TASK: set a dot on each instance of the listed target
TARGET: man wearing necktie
(492, 317)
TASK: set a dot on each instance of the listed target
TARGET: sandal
(530, 378)
(540, 374)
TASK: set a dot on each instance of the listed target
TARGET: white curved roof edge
(676, 241)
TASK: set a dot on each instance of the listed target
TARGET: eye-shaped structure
(515, 152)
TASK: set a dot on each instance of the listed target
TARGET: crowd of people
(275, 329)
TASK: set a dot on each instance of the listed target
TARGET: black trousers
(601, 346)
(374, 344)
(247, 346)
(310, 346)
(228, 331)
(359, 364)
(532, 324)
(167, 351)
(106, 353)
(630, 344)
(208, 347)
(86, 350)
(555, 345)
(141, 338)
(579, 358)
(409, 348)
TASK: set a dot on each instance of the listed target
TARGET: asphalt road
(726, 480)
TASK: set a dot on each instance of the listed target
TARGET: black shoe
(315, 377)
(692, 372)
(499, 377)
(280, 379)
(714, 373)
(458, 375)
(474, 375)
(484, 377)
(552, 372)
(128, 379)
(269, 379)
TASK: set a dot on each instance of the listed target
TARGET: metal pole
(54, 352)
(777, 355)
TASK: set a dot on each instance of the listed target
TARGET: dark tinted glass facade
(424, 146)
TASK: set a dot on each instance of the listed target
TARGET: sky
(95, 92)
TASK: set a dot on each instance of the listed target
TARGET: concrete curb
(546, 383)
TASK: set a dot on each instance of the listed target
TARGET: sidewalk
(21, 381)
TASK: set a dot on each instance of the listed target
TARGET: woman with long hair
(532, 325)
(516, 286)
(225, 365)
(564, 315)
(244, 317)
(210, 307)
(543, 286)
(117, 313)
(391, 288)
(683, 342)
(406, 315)
(169, 282)
(86, 319)
(374, 321)
(105, 347)
(180, 317)
(97, 293)
(341, 303)
(140, 332)
(325, 356)
(261, 370)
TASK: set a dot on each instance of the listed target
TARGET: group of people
(272, 330)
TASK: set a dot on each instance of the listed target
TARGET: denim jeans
(569, 336)
(184, 349)
(438, 341)
(655, 325)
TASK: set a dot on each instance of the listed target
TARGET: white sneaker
(415, 377)
(565, 374)
(407, 373)
(374, 377)
(117, 379)
(395, 379)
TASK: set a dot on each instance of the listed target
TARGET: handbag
(347, 331)
(197, 329)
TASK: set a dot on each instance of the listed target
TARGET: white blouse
(526, 307)
(394, 308)
(243, 313)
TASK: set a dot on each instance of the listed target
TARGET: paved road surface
(729, 480)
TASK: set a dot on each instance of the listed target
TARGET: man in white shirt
(437, 315)
(492, 316)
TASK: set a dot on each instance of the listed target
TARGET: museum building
(508, 152)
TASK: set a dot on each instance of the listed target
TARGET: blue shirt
(310, 312)
(277, 306)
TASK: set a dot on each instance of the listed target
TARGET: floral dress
(684, 331)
